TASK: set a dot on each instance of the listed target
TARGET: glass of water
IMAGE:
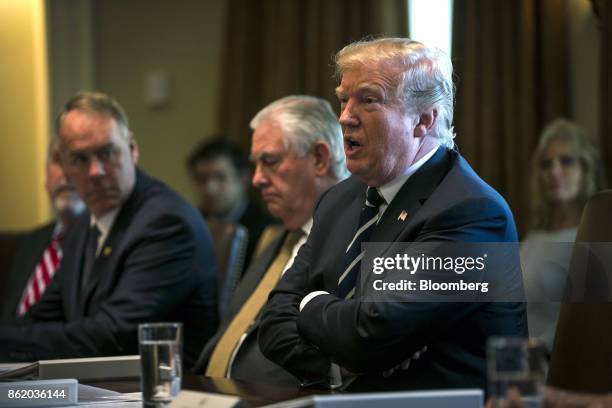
(160, 347)
(516, 362)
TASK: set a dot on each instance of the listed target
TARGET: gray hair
(425, 81)
(305, 120)
(96, 103)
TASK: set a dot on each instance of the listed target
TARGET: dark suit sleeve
(29, 251)
(157, 275)
(373, 336)
(49, 307)
(279, 338)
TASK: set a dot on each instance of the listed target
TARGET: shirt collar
(105, 223)
(307, 226)
(390, 190)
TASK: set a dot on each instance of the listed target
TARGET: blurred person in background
(220, 174)
(40, 251)
(566, 172)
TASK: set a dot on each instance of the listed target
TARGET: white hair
(305, 120)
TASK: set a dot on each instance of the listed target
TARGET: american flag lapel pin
(402, 216)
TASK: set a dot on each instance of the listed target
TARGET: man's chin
(274, 210)
(356, 169)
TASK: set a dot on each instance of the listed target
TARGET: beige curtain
(512, 78)
(279, 47)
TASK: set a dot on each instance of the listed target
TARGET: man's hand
(512, 400)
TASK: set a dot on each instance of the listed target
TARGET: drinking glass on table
(160, 347)
(516, 362)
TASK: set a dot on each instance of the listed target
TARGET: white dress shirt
(104, 225)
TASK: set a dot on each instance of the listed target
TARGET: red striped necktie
(45, 269)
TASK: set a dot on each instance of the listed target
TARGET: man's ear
(133, 148)
(427, 120)
(321, 154)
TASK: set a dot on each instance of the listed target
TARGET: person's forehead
(84, 120)
(268, 137)
(219, 163)
(558, 146)
(86, 131)
(367, 77)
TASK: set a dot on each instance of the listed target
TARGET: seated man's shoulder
(154, 201)
(156, 193)
(346, 190)
(464, 188)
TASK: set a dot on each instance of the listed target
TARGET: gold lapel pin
(107, 251)
(402, 216)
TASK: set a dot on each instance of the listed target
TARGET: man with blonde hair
(408, 185)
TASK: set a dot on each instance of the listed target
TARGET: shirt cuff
(311, 296)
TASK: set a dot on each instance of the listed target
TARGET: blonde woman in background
(566, 172)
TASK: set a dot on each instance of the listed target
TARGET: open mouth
(351, 143)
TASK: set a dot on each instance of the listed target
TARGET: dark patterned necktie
(352, 258)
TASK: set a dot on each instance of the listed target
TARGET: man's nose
(348, 116)
(556, 169)
(259, 178)
(96, 168)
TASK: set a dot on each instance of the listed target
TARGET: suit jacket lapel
(102, 264)
(246, 287)
(103, 268)
(413, 194)
(253, 276)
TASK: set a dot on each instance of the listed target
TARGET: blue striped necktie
(352, 258)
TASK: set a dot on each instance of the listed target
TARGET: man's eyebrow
(92, 150)
(255, 157)
(370, 87)
(366, 87)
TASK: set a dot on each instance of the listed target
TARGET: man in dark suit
(139, 254)
(39, 252)
(408, 185)
(220, 175)
(297, 150)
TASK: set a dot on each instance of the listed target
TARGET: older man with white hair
(297, 151)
